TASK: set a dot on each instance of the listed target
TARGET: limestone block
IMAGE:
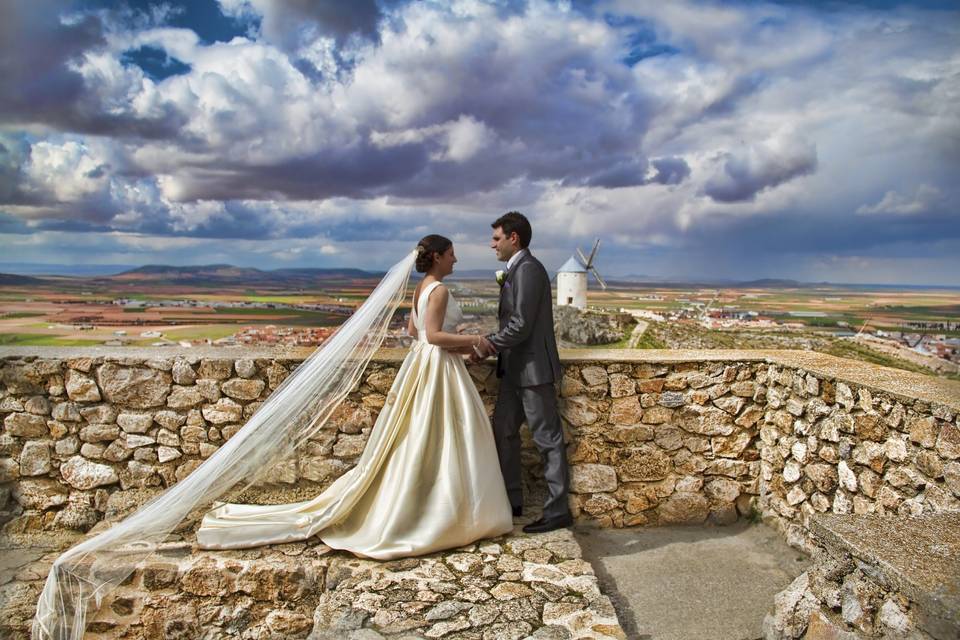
(870, 454)
(683, 508)
(218, 369)
(66, 412)
(930, 464)
(948, 442)
(657, 415)
(169, 419)
(184, 397)
(600, 503)
(722, 489)
(67, 446)
(322, 469)
(83, 474)
(923, 431)
(349, 446)
(37, 405)
(135, 422)
(276, 374)
(654, 385)
(40, 493)
(9, 470)
(101, 413)
(730, 446)
(93, 451)
(81, 387)
(795, 406)
(626, 410)
(643, 462)
(668, 438)
(25, 425)
(208, 388)
(730, 404)
(243, 389)
(869, 426)
(708, 421)
(183, 373)
(844, 397)
(166, 454)
(621, 386)
(592, 478)
(99, 432)
(35, 458)
(134, 387)
(594, 375)
(951, 476)
(223, 411)
(846, 477)
(580, 411)
(824, 476)
(9, 404)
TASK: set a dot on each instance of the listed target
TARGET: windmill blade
(596, 275)
(583, 259)
(593, 253)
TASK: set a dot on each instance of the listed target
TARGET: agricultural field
(70, 312)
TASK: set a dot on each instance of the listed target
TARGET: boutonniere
(501, 277)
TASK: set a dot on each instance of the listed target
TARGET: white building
(572, 284)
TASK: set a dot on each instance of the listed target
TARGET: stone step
(514, 586)
(876, 576)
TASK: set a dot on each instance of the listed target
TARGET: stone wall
(829, 445)
(654, 437)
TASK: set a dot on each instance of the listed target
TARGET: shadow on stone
(690, 583)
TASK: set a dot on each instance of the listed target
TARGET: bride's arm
(411, 330)
(436, 309)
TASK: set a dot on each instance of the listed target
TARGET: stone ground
(691, 583)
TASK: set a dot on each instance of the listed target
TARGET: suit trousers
(538, 405)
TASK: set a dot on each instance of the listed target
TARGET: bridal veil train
(440, 465)
(423, 482)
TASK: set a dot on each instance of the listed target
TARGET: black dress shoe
(549, 524)
(517, 512)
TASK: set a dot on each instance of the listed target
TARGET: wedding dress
(428, 479)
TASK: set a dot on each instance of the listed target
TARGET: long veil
(294, 412)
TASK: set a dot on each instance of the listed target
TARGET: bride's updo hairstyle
(427, 247)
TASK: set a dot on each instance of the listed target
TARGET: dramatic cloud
(678, 130)
(745, 174)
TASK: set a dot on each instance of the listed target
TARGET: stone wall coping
(918, 556)
(902, 384)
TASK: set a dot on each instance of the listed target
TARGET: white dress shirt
(513, 259)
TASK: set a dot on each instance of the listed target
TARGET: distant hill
(227, 274)
(13, 279)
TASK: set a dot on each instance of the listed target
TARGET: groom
(528, 365)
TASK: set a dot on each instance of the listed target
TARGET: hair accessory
(421, 249)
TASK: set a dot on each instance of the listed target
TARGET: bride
(428, 477)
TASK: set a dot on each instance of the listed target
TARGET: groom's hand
(486, 347)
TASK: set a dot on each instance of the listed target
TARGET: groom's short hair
(515, 221)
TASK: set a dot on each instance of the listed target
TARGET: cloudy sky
(807, 140)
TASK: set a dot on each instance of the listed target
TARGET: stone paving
(511, 587)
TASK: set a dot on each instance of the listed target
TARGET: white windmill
(572, 279)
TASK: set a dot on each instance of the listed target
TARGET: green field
(42, 340)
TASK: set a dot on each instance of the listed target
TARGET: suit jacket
(526, 346)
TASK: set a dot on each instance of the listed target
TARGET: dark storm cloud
(745, 174)
(332, 17)
(39, 39)
(670, 170)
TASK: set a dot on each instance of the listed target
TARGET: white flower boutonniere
(501, 277)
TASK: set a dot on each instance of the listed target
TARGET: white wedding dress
(428, 479)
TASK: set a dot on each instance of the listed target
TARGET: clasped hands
(481, 349)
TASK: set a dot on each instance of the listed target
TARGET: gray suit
(528, 365)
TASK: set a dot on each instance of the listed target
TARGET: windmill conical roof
(572, 266)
